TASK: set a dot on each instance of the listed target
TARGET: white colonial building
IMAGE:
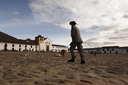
(40, 43)
(108, 50)
(58, 48)
(123, 50)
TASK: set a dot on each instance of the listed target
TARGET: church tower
(40, 40)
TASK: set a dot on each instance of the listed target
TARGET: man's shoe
(71, 60)
(82, 62)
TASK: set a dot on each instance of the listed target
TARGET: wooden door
(47, 47)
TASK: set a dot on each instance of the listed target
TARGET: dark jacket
(75, 34)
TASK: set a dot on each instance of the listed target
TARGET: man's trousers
(80, 50)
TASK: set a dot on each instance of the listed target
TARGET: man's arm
(73, 32)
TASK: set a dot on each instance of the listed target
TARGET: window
(12, 45)
(31, 46)
(19, 45)
(112, 49)
(12, 49)
(41, 38)
(5, 45)
(25, 45)
(103, 49)
(107, 49)
(36, 46)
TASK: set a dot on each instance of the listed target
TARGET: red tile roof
(6, 36)
(110, 47)
(88, 49)
(18, 41)
(40, 36)
(9, 39)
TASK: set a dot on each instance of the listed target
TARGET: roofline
(20, 43)
(110, 47)
(47, 38)
(17, 42)
(123, 47)
(88, 48)
(39, 36)
(58, 45)
(9, 35)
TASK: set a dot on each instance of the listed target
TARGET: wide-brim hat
(73, 22)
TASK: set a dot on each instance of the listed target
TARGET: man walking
(76, 41)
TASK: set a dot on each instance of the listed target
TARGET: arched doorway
(47, 47)
(104, 51)
(12, 49)
(116, 52)
(5, 47)
(19, 49)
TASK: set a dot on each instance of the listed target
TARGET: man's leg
(80, 50)
(73, 45)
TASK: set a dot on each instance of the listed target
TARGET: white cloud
(109, 15)
(15, 19)
(16, 12)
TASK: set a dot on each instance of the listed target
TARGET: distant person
(94, 53)
(76, 41)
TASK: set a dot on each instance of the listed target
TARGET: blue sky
(101, 22)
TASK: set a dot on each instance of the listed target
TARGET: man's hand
(70, 43)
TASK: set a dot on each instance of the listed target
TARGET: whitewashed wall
(123, 51)
(29, 48)
(2, 45)
(34, 47)
(9, 46)
(59, 48)
(22, 47)
(65, 48)
(111, 50)
(17, 47)
(48, 42)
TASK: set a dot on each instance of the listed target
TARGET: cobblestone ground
(32, 68)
